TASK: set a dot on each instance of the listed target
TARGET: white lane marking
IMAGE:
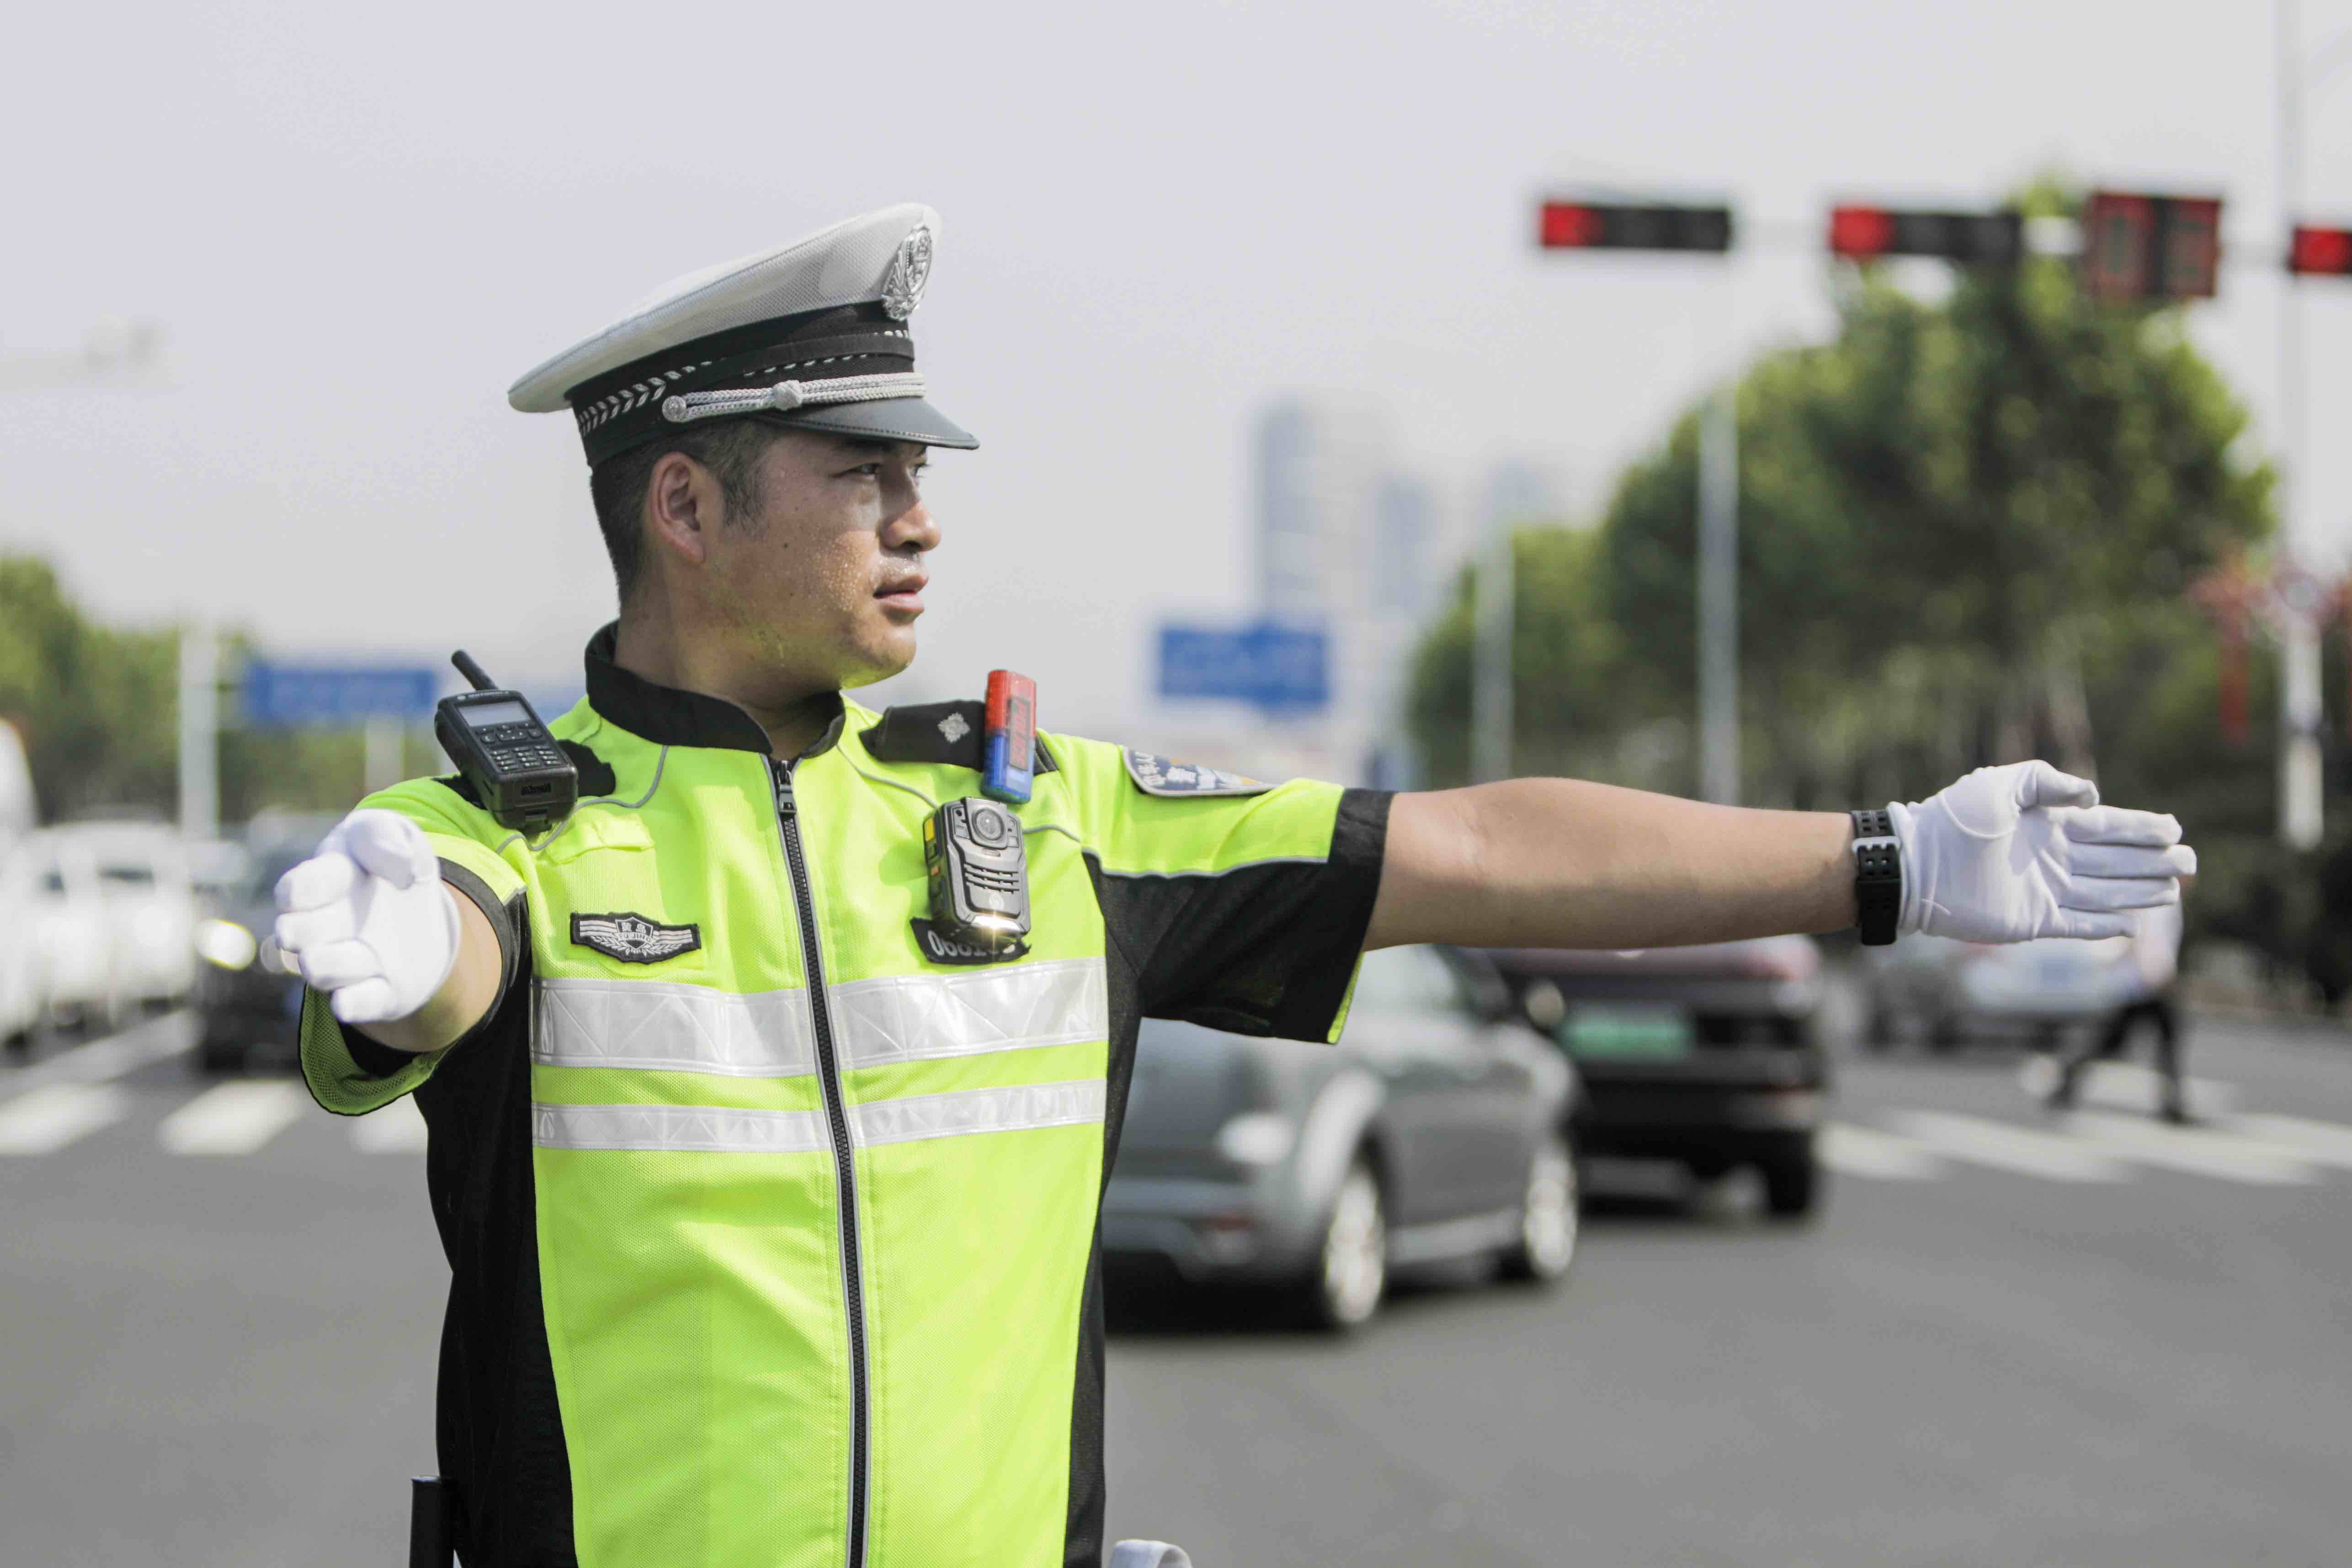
(109, 1057)
(1882, 1156)
(2322, 1143)
(45, 1120)
(2008, 1148)
(234, 1119)
(2196, 1150)
(394, 1129)
(2128, 1086)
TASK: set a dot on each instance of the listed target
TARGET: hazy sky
(359, 226)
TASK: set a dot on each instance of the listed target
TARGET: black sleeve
(1263, 950)
(378, 1061)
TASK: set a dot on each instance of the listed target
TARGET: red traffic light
(1632, 225)
(1861, 234)
(2150, 247)
(2320, 252)
(1568, 225)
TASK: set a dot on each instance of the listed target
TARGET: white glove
(368, 920)
(2011, 853)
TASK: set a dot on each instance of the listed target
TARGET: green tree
(98, 709)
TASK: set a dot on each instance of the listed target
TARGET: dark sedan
(251, 1009)
(1701, 1056)
(1436, 1130)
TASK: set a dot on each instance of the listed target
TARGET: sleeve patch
(1158, 776)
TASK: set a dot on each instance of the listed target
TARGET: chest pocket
(607, 911)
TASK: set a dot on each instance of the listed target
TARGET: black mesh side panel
(500, 1433)
(1082, 1541)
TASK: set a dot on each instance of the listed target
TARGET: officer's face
(824, 584)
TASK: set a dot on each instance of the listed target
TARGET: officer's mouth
(903, 595)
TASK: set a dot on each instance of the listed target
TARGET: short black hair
(730, 449)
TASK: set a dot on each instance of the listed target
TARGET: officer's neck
(795, 713)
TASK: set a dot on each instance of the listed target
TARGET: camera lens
(988, 826)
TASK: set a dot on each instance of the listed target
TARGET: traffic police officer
(772, 1219)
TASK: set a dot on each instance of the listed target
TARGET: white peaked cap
(813, 333)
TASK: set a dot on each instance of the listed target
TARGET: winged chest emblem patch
(633, 938)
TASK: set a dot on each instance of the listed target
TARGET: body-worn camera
(519, 773)
(978, 864)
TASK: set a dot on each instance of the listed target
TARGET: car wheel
(1792, 1185)
(1352, 1267)
(1547, 1215)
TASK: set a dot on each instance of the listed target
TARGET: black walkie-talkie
(521, 776)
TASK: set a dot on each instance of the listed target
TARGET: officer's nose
(912, 529)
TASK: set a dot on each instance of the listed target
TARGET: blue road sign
(1272, 665)
(338, 694)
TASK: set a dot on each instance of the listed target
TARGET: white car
(23, 998)
(1956, 990)
(115, 917)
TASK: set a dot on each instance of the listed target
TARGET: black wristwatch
(1877, 877)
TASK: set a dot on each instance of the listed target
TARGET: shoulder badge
(633, 938)
(1157, 776)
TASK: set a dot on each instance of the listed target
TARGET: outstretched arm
(2004, 855)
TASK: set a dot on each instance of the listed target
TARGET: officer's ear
(684, 507)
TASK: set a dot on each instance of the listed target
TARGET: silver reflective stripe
(677, 1129)
(1069, 1105)
(662, 1026)
(1015, 1007)
(712, 1129)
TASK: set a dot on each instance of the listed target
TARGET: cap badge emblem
(954, 727)
(909, 270)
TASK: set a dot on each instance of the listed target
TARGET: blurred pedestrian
(2152, 970)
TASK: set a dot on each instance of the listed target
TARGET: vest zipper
(845, 1170)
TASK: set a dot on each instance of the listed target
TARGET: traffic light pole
(2302, 777)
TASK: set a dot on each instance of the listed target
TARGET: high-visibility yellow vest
(772, 1228)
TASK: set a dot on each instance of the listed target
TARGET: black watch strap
(1877, 877)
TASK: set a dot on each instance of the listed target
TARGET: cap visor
(884, 418)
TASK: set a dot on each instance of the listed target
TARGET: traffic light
(2317, 252)
(2150, 247)
(1983, 239)
(1610, 225)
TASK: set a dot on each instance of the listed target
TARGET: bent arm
(1558, 862)
(464, 999)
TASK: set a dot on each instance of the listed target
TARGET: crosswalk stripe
(44, 1120)
(2321, 1143)
(2008, 1148)
(394, 1129)
(2198, 1151)
(233, 1119)
(1880, 1156)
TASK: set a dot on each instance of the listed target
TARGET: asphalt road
(2008, 1341)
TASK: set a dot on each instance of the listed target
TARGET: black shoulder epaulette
(936, 732)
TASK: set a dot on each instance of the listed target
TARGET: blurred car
(250, 1011)
(113, 916)
(1703, 1056)
(1948, 992)
(1436, 1129)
